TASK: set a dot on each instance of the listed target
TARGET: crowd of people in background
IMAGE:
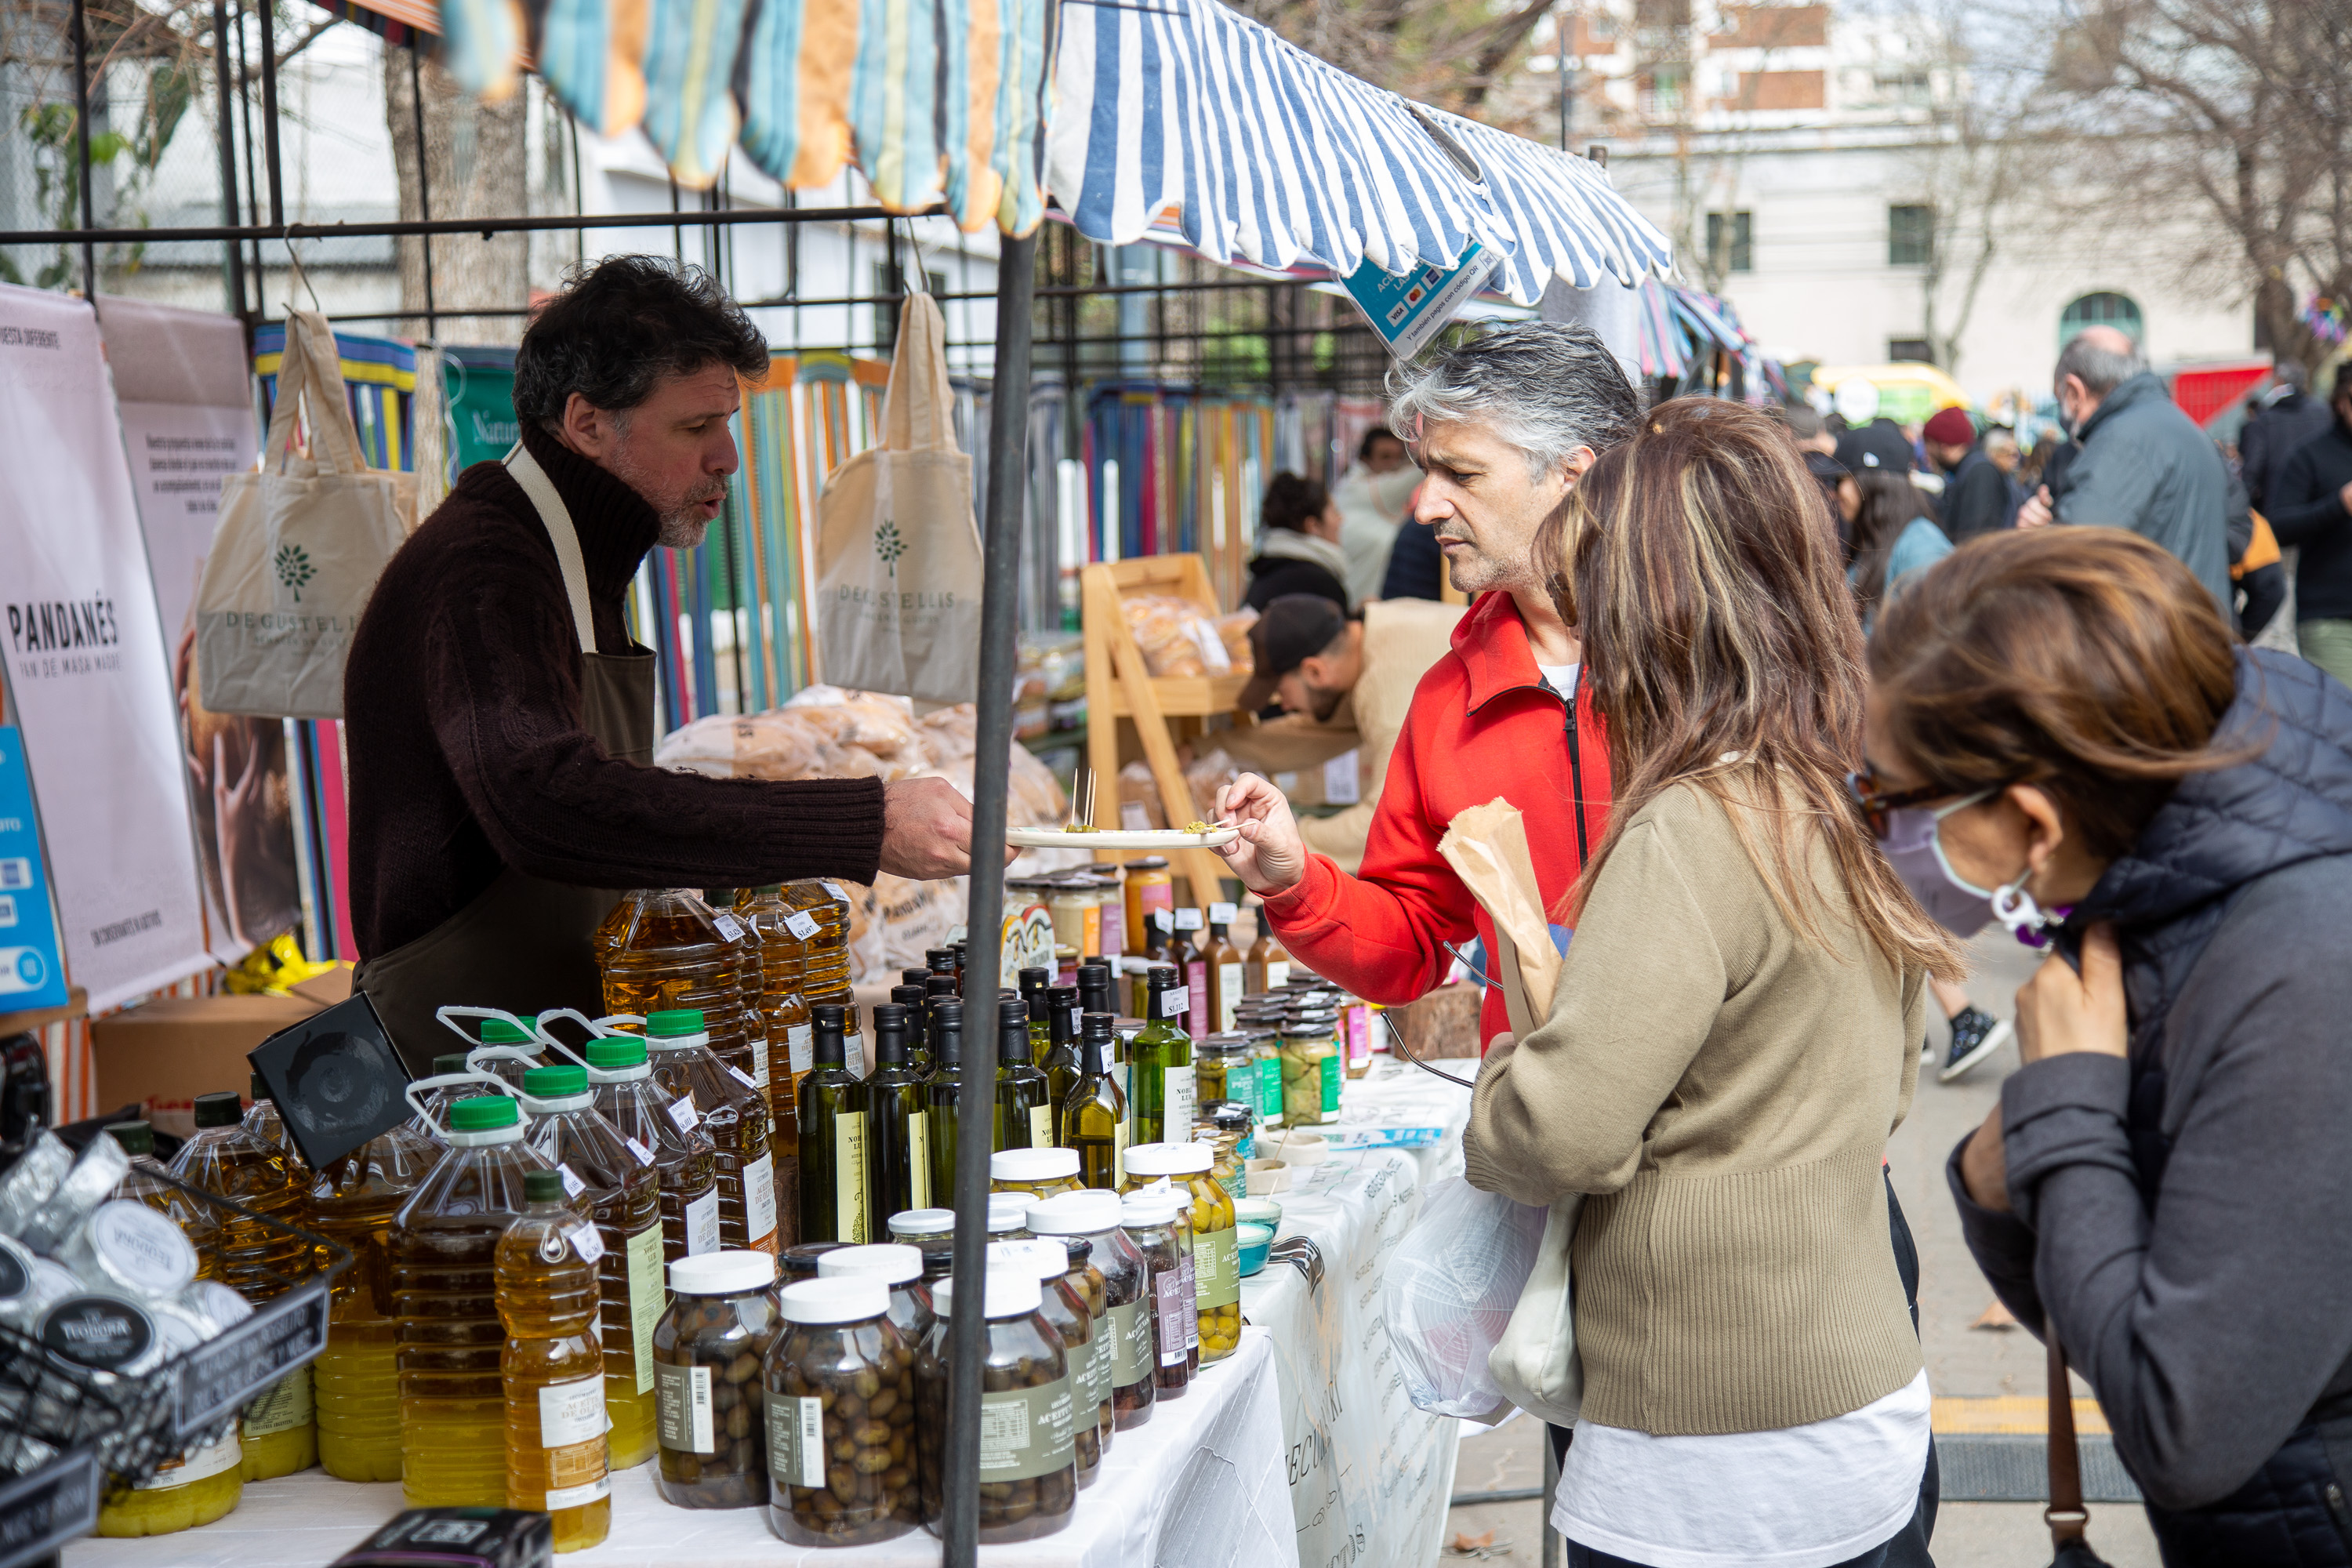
(1793, 703)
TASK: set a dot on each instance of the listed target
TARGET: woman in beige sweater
(1735, 1032)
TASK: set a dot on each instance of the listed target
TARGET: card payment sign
(30, 975)
(1406, 310)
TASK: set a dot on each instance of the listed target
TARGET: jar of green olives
(1048, 1260)
(1033, 1174)
(923, 1227)
(1154, 1224)
(899, 1267)
(707, 1352)
(1223, 1069)
(1113, 1280)
(1028, 1456)
(1311, 1071)
(840, 1418)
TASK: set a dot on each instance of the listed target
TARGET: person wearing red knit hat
(1976, 493)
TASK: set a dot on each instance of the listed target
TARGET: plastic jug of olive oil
(355, 1381)
(663, 948)
(443, 1252)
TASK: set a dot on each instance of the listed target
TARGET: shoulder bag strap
(556, 517)
(2065, 1516)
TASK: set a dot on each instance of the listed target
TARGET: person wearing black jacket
(2162, 1184)
(1297, 545)
(2311, 507)
(2286, 417)
(1976, 493)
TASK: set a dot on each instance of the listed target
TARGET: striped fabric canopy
(1272, 157)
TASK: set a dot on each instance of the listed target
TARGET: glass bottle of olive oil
(1061, 1061)
(1094, 1116)
(1160, 1062)
(940, 1094)
(835, 1128)
(898, 1164)
(1024, 1115)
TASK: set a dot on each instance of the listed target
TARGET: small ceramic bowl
(1255, 1210)
(1268, 1176)
(1252, 1241)
(1300, 1148)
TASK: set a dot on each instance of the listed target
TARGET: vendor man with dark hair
(499, 720)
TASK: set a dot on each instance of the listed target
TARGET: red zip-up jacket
(1482, 725)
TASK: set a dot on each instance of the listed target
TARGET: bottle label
(1330, 1067)
(1188, 920)
(645, 1155)
(682, 1402)
(1026, 1432)
(919, 1157)
(760, 1203)
(681, 1111)
(1269, 1087)
(759, 1079)
(1196, 996)
(1217, 1268)
(797, 1440)
(835, 890)
(729, 927)
(1169, 1290)
(746, 1079)
(1114, 928)
(571, 1413)
(703, 1225)
(1182, 1094)
(1175, 1001)
(1119, 1137)
(559, 1498)
(1220, 914)
(1106, 1360)
(1191, 1301)
(286, 1405)
(1041, 1127)
(1129, 1336)
(850, 1218)
(800, 1047)
(1229, 994)
(197, 1465)
(1277, 974)
(802, 925)
(586, 1242)
(644, 1252)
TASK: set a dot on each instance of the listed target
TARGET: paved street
(1962, 1361)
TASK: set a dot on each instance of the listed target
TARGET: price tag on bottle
(746, 1079)
(645, 1155)
(681, 1111)
(834, 889)
(802, 925)
(729, 927)
(1188, 920)
(573, 1185)
(586, 1241)
(1220, 914)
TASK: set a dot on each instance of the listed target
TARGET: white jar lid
(892, 1263)
(1032, 1164)
(922, 1222)
(222, 1306)
(1048, 1259)
(722, 1273)
(1008, 1211)
(848, 1299)
(1148, 1208)
(1008, 1293)
(1169, 1159)
(1088, 1213)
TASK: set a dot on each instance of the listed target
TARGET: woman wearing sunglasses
(2165, 1182)
(1735, 1032)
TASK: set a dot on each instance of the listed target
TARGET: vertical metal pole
(267, 10)
(82, 146)
(252, 181)
(424, 186)
(999, 602)
(221, 78)
(1551, 1490)
(1563, 23)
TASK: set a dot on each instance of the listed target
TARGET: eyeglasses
(1879, 805)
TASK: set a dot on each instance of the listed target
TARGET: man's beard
(1323, 703)
(682, 527)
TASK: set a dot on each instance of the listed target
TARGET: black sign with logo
(55, 1504)
(223, 1372)
(336, 1078)
(105, 1333)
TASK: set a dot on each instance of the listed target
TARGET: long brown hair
(2086, 660)
(1723, 649)
(1889, 502)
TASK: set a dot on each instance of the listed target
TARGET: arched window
(2099, 310)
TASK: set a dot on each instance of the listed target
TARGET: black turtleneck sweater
(463, 728)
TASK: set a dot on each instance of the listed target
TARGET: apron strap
(556, 517)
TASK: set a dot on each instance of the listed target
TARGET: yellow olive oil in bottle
(1024, 1115)
(898, 1164)
(643, 1113)
(783, 933)
(1160, 1061)
(734, 1115)
(1094, 1116)
(664, 949)
(552, 1369)
(836, 1149)
(356, 1380)
(940, 1095)
(1060, 1063)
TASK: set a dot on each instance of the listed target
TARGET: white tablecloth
(1370, 1476)
(1199, 1485)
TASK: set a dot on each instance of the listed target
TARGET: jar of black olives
(707, 1352)
(1111, 1277)
(1028, 1463)
(1049, 1260)
(900, 1268)
(841, 1415)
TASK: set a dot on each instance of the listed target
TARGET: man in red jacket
(1503, 427)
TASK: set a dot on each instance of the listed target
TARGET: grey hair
(2100, 370)
(1544, 388)
(2000, 436)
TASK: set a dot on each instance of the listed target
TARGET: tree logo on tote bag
(293, 564)
(888, 546)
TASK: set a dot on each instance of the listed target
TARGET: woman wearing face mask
(2164, 1181)
(1735, 1034)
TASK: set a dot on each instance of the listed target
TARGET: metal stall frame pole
(267, 11)
(1000, 606)
(235, 278)
(82, 146)
(423, 185)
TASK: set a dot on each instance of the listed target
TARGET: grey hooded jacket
(2144, 466)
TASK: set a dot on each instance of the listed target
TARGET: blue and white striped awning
(1272, 157)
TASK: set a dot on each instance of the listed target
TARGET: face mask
(1911, 849)
(2009, 904)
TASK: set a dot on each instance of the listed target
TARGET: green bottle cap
(482, 1113)
(676, 1022)
(257, 1089)
(221, 1108)
(136, 1137)
(443, 1066)
(544, 1186)
(499, 1032)
(614, 1052)
(555, 1082)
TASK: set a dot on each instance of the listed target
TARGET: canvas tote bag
(300, 544)
(898, 563)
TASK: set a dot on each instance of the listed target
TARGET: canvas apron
(523, 943)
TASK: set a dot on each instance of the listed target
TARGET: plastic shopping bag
(1450, 1292)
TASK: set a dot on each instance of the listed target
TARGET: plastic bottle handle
(443, 1081)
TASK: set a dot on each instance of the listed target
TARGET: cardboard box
(162, 1054)
(1444, 1024)
(327, 989)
